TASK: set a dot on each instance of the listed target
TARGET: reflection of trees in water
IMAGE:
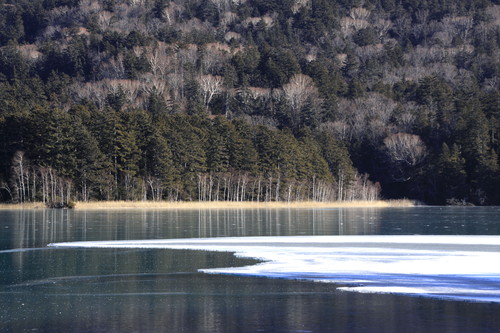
(118, 290)
(37, 228)
(288, 222)
(26, 229)
(205, 303)
(360, 221)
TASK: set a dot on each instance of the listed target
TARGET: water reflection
(110, 290)
(24, 229)
(196, 303)
(36, 228)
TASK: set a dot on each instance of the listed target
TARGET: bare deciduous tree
(298, 4)
(176, 83)
(339, 129)
(382, 26)
(405, 119)
(298, 90)
(346, 24)
(405, 151)
(104, 20)
(222, 5)
(158, 59)
(151, 84)
(359, 16)
(29, 52)
(20, 174)
(92, 91)
(366, 117)
(462, 25)
(405, 148)
(401, 25)
(211, 85)
(301, 92)
(4, 186)
(214, 57)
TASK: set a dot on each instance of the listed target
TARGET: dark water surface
(132, 290)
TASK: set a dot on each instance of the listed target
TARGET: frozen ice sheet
(448, 267)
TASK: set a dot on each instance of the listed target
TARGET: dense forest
(260, 100)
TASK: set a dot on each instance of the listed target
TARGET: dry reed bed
(237, 205)
(28, 205)
(120, 205)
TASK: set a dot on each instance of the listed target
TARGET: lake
(47, 289)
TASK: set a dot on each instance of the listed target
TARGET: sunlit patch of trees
(249, 100)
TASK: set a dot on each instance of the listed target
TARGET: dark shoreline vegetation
(276, 100)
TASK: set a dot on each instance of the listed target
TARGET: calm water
(131, 290)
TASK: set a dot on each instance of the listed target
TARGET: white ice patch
(449, 267)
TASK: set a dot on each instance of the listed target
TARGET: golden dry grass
(28, 205)
(237, 205)
(94, 205)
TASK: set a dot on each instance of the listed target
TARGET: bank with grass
(95, 205)
(112, 205)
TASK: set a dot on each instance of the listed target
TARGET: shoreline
(28, 205)
(165, 205)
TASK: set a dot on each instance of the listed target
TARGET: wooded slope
(249, 100)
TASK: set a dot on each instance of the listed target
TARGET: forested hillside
(250, 100)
